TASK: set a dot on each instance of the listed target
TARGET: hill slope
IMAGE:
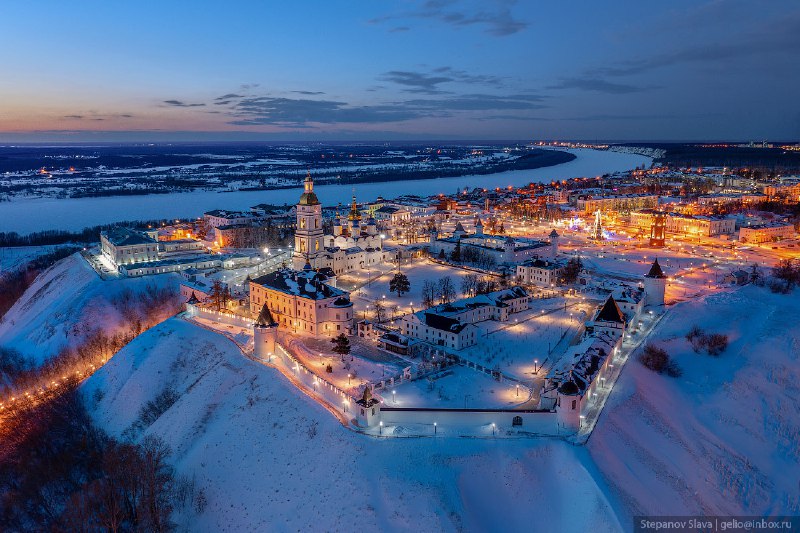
(722, 439)
(269, 457)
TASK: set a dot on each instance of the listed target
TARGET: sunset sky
(379, 70)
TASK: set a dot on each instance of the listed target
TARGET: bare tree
(428, 294)
(469, 285)
(445, 290)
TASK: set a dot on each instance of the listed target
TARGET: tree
(379, 311)
(395, 309)
(441, 254)
(455, 255)
(572, 270)
(341, 345)
(657, 359)
(445, 291)
(220, 294)
(428, 294)
(469, 285)
(399, 284)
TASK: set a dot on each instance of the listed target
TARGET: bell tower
(308, 233)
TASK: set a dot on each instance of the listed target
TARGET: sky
(399, 69)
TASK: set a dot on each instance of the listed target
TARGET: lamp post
(381, 427)
(434, 428)
(535, 363)
(493, 428)
(394, 398)
(349, 376)
(517, 390)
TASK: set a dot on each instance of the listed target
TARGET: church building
(353, 245)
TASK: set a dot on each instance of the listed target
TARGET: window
(573, 404)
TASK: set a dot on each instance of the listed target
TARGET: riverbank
(27, 216)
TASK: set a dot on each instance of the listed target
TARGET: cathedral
(354, 244)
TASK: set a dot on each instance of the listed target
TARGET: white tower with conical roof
(655, 285)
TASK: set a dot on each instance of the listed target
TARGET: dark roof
(119, 236)
(304, 283)
(610, 312)
(569, 388)
(655, 271)
(265, 318)
(459, 227)
(443, 323)
(554, 233)
(193, 299)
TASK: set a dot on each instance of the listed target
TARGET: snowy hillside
(270, 458)
(667, 445)
(64, 305)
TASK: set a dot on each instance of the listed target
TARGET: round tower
(265, 333)
(655, 285)
(568, 408)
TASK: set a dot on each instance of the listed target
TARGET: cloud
(597, 85)
(494, 16)
(229, 96)
(768, 41)
(295, 112)
(399, 29)
(178, 103)
(417, 81)
(98, 116)
(263, 110)
(308, 93)
(428, 82)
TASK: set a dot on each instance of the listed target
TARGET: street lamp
(517, 390)
(394, 398)
(535, 362)
(434, 428)
(348, 378)
(493, 428)
(381, 427)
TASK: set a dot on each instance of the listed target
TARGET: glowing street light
(394, 398)
(434, 428)
(381, 427)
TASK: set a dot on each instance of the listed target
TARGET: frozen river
(26, 216)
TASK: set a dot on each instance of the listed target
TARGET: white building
(353, 245)
(540, 272)
(124, 246)
(304, 301)
(221, 217)
(453, 325)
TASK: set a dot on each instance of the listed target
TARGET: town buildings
(500, 248)
(769, 232)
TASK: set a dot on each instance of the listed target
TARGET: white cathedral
(354, 245)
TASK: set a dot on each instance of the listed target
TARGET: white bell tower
(308, 234)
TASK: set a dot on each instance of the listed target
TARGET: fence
(219, 316)
(539, 422)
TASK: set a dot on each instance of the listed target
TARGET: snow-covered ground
(77, 213)
(721, 439)
(12, 258)
(66, 303)
(725, 437)
(271, 458)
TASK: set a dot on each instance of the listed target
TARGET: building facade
(304, 301)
